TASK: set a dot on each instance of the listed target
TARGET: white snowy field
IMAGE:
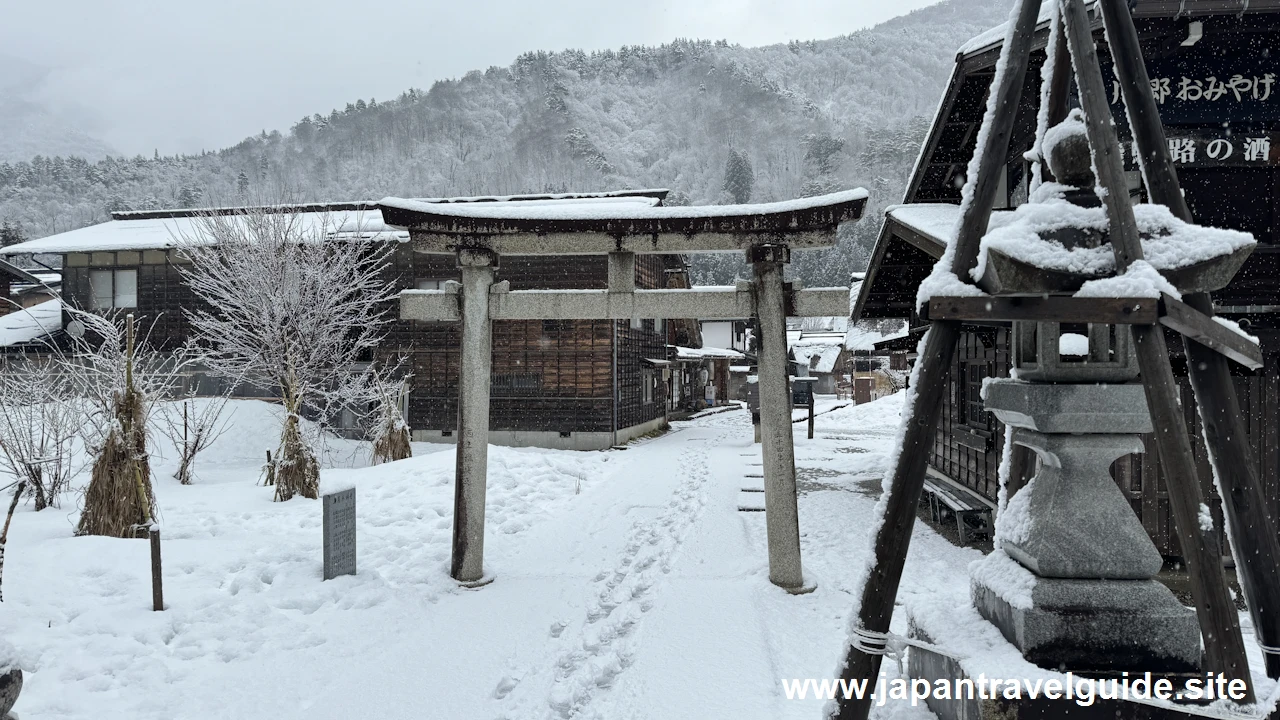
(628, 585)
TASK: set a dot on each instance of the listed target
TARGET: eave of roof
(11, 269)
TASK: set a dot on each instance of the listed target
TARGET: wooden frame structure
(479, 236)
(1260, 557)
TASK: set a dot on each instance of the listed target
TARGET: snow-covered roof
(162, 233)
(819, 324)
(707, 353)
(820, 357)
(866, 333)
(739, 368)
(162, 229)
(939, 220)
(23, 326)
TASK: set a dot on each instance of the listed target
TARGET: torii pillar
(777, 444)
(479, 233)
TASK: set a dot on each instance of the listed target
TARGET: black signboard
(1220, 79)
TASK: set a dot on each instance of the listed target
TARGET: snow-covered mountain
(805, 117)
(30, 127)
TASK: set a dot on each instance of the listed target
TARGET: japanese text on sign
(1238, 87)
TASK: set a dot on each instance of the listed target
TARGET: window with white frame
(111, 289)
(647, 382)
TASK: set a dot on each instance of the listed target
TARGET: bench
(972, 512)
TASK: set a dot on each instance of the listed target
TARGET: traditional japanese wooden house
(576, 384)
(700, 377)
(1214, 67)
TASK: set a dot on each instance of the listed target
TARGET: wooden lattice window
(972, 409)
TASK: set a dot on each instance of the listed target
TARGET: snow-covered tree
(40, 418)
(290, 308)
(192, 425)
(10, 233)
(738, 177)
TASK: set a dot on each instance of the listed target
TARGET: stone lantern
(1072, 583)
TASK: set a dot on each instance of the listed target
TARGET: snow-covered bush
(390, 431)
(192, 425)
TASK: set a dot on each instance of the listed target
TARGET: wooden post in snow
(157, 581)
(1253, 533)
(894, 534)
(4, 536)
(1219, 622)
(811, 413)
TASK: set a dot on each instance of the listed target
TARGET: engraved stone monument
(339, 533)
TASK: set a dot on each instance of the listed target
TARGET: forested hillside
(714, 122)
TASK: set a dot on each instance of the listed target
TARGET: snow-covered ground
(628, 585)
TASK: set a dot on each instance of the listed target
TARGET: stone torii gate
(479, 234)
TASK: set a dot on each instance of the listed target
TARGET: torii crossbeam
(479, 234)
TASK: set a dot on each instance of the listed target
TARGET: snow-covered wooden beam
(711, 303)
(1107, 311)
(587, 228)
(1167, 311)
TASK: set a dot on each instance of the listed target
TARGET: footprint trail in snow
(593, 651)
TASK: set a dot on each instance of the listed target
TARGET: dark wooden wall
(163, 298)
(637, 344)
(969, 439)
(548, 375)
(1140, 479)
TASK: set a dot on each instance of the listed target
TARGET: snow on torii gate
(478, 234)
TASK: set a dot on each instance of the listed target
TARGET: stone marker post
(339, 533)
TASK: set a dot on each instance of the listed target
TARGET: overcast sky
(179, 76)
